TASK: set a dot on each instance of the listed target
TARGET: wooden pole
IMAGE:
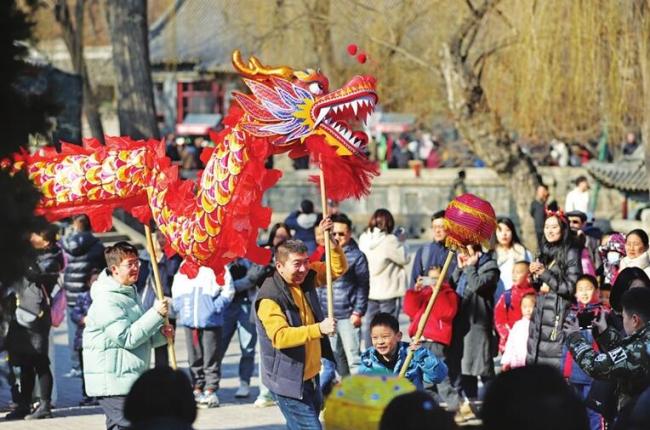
(328, 250)
(159, 291)
(427, 311)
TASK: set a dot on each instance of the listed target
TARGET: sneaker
(465, 413)
(243, 390)
(73, 373)
(44, 410)
(198, 393)
(209, 399)
(88, 401)
(17, 414)
(262, 402)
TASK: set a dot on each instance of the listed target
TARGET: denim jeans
(595, 419)
(72, 330)
(346, 347)
(238, 317)
(302, 414)
(265, 393)
(327, 375)
(445, 389)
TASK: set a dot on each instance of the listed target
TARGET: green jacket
(623, 360)
(118, 338)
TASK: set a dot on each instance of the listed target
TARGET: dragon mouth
(343, 107)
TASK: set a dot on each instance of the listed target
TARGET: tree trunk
(73, 38)
(127, 21)
(320, 26)
(483, 128)
(643, 46)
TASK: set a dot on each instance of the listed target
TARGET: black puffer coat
(22, 341)
(546, 337)
(84, 252)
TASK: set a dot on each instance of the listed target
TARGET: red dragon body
(216, 219)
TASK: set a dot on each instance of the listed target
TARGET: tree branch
(404, 52)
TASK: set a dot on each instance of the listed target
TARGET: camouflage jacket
(623, 360)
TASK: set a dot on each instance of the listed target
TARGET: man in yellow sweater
(292, 331)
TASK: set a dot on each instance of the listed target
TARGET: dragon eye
(316, 88)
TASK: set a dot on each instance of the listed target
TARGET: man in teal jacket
(119, 335)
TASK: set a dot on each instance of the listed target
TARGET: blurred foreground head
(532, 398)
(414, 411)
(161, 399)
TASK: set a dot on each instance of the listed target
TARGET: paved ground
(233, 413)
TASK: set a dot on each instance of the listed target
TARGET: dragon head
(288, 107)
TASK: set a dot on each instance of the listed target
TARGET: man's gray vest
(283, 369)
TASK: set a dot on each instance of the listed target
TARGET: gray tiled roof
(195, 32)
(628, 174)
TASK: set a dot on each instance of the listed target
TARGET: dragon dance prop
(215, 219)
(468, 220)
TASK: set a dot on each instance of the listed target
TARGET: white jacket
(387, 260)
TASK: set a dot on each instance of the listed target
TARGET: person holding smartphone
(554, 273)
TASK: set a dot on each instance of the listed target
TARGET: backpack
(31, 303)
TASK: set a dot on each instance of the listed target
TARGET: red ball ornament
(361, 58)
(469, 220)
(352, 49)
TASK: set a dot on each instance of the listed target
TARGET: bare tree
(641, 18)
(127, 21)
(479, 124)
(73, 39)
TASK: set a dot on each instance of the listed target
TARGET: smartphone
(428, 280)
(585, 319)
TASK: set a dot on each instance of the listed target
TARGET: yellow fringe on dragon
(215, 219)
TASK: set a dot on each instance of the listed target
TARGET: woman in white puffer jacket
(387, 257)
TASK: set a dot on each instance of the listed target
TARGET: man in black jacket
(83, 253)
(538, 212)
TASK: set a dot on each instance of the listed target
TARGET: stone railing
(413, 199)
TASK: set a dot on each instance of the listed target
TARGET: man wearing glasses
(578, 224)
(350, 303)
(119, 335)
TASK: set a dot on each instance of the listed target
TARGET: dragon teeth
(323, 113)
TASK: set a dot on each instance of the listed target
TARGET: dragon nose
(363, 80)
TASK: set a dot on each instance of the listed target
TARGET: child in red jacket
(438, 329)
(508, 309)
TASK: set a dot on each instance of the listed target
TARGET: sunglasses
(338, 233)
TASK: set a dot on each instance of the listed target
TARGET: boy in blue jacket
(388, 352)
(199, 305)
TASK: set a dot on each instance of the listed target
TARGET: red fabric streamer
(345, 176)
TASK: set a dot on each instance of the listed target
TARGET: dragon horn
(256, 70)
